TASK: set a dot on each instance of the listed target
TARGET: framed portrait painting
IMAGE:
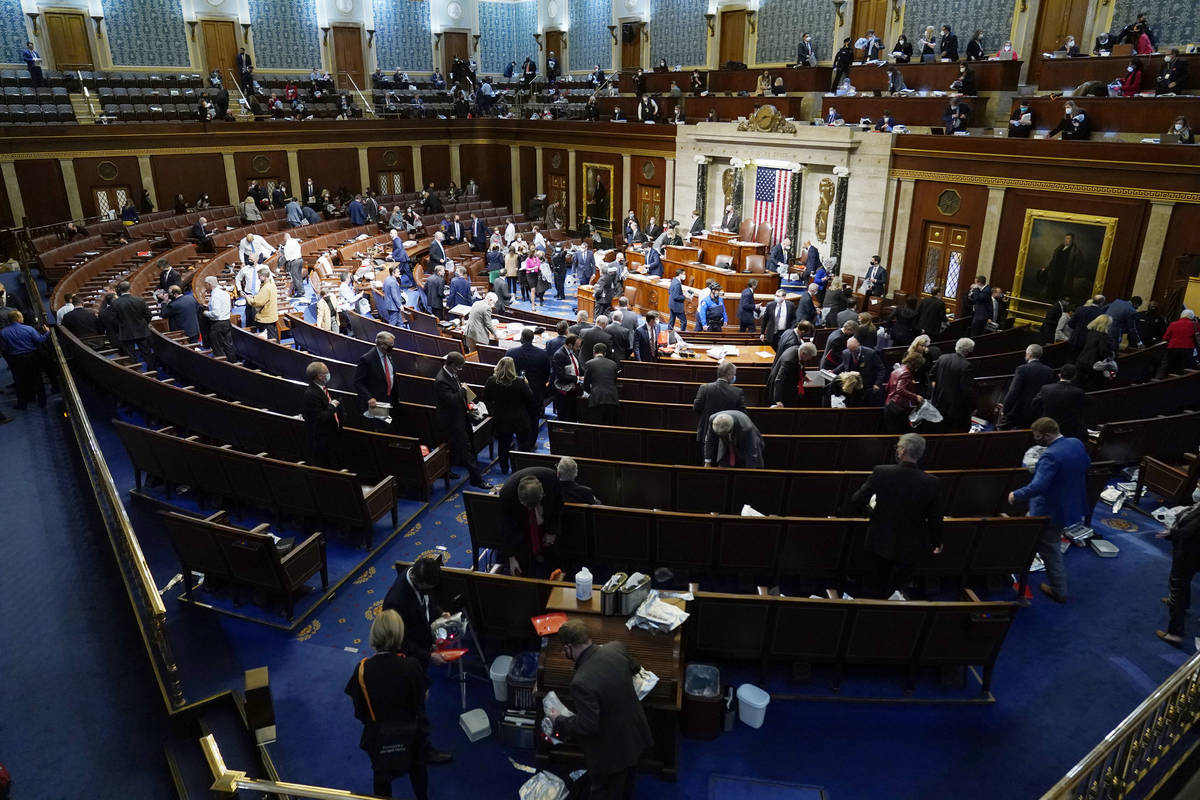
(597, 194)
(1062, 255)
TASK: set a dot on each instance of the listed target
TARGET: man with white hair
(806, 307)
(292, 260)
(730, 221)
(218, 337)
(480, 327)
(437, 251)
(599, 334)
(254, 249)
(954, 387)
(1028, 380)
(265, 303)
(733, 441)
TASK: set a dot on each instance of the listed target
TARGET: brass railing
(149, 610)
(227, 782)
(1116, 767)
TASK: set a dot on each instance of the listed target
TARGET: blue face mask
(733, 379)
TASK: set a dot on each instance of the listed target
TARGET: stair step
(83, 114)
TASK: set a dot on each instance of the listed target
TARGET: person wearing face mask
(375, 378)
(1073, 125)
(1131, 84)
(1007, 53)
(806, 52)
(1071, 48)
(906, 520)
(948, 45)
(965, 82)
(1058, 491)
(1104, 44)
(322, 416)
(975, 47)
(1183, 131)
(903, 50)
(1173, 77)
(1020, 124)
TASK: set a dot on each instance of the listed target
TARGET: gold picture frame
(1050, 267)
(598, 205)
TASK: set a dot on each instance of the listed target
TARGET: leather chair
(756, 263)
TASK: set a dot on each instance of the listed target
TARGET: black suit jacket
(593, 336)
(867, 363)
(434, 291)
(745, 310)
(697, 227)
(931, 316)
(437, 254)
(906, 523)
(954, 389)
(1064, 403)
(609, 723)
(133, 317)
(805, 310)
(713, 398)
(451, 404)
(370, 382)
(600, 382)
(418, 636)
(1018, 402)
(183, 314)
(169, 278)
(784, 378)
(82, 322)
(513, 519)
(770, 329)
(1079, 322)
(533, 362)
(322, 419)
(981, 302)
(199, 232)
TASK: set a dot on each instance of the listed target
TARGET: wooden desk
(711, 247)
(910, 111)
(696, 108)
(990, 76)
(807, 79)
(652, 295)
(662, 654)
(1067, 73)
(1124, 114)
(730, 281)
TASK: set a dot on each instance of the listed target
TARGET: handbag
(389, 744)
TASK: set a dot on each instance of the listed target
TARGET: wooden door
(554, 44)
(871, 15)
(556, 189)
(631, 45)
(109, 200)
(455, 46)
(348, 57)
(68, 37)
(649, 203)
(220, 49)
(1171, 286)
(392, 182)
(733, 37)
(943, 260)
(1056, 20)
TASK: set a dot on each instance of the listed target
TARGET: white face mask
(1129, 69)
(1008, 47)
(1167, 59)
(1178, 126)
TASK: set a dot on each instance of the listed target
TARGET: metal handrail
(142, 590)
(243, 106)
(1115, 766)
(229, 781)
(369, 107)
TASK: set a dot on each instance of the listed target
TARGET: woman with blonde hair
(509, 399)
(844, 391)
(1097, 346)
(867, 334)
(928, 42)
(511, 258)
(921, 346)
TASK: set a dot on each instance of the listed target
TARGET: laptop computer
(1169, 138)
(937, 131)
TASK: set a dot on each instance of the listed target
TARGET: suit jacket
(642, 343)
(410, 605)
(1050, 323)
(711, 398)
(697, 227)
(745, 439)
(654, 263)
(676, 297)
(931, 316)
(392, 300)
(906, 523)
(460, 292)
(783, 381)
(451, 404)
(437, 254)
(593, 336)
(609, 723)
(534, 363)
(1028, 380)
(1063, 402)
(1079, 322)
(745, 310)
(322, 419)
(804, 53)
(513, 518)
(585, 264)
(954, 387)
(600, 382)
(370, 381)
(480, 326)
(730, 222)
(169, 278)
(82, 322)
(133, 317)
(806, 310)
(199, 232)
(1059, 486)
(435, 287)
(981, 302)
(778, 257)
(876, 280)
(771, 330)
(183, 314)
(867, 363)
(479, 231)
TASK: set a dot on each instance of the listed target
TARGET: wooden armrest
(1189, 457)
(262, 527)
(969, 595)
(763, 591)
(693, 587)
(218, 517)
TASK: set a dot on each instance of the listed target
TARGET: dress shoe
(284, 545)
(481, 484)
(436, 758)
(453, 476)
(1049, 592)
(1174, 641)
(1166, 601)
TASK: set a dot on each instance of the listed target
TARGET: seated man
(572, 491)
(203, 236)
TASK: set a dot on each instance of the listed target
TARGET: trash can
(703, 706)
(499, 673)
(522, 677)
(752, 704)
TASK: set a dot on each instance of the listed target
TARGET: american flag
(772, 188)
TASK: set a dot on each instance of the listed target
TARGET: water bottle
(583, 585)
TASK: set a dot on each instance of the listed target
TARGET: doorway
(871, 15)
(943, 255)
(649, 204)
(68, 36)
(554, 44)
(455, 46)
(390, 183)
(1056, 20)
(733, 37)
(631, 45)
(348, 57)
(109, 200)
(220, 49)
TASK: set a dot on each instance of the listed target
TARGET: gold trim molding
(1135, 193)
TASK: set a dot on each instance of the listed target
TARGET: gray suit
(744, 439)
(720, 395)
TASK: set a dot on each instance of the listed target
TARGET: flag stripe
(772, 190)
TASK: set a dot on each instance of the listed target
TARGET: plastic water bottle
(583, 585)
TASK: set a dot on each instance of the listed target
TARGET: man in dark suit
(806, 310)
(310, 194)
(203, 236)
(454, 230)
(245, 69)
(1084, 316)
(931, 314)
(697, 224)
(730, 221)
(1063, 402)
(732, 440)
(778, 316)
(806, 54)
(182, 313)
(1028, 380)
(81, 321)
(867, 363)
(168, 276)
(600, 385)
(585, 263)
(375, 379)
(322, 415)
(835, 345)
(876, 278)
(460, 289)
(676, 300)
(906, 522)
(453, 416)
(654, 263)
(133, 320)
(479, 232)
(980, 300)
(780, 258)
(529, 519)
(609, 723)
(746, 308)
(565, 372)
(581, 325)
(653, 230)
(435, 288)
(598, 334)
(785, 381)
(954, 387)
(1053, 315)
(645, 339)
(534, 363)
(437, 251)
(720, 395)
(842, 60)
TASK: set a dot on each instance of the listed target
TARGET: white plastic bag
(927, 412)
(543, 786)
(552, 708)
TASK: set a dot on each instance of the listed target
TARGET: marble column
(15, 203)
(702, 188)
(514, 165)
(839, 218)
(231, 185)
(618, 209)
(456, 165)
(669, 191)
(71, 184)
(1152, 248)
(293, 159)
(364, 171)
(991, 230)
(896, 259)
(793, 213)
(572, 206)
(418, 170)
(737, 165)
(541, 181)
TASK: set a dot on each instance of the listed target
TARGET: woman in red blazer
(1181, 340)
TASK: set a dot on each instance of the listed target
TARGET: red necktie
(535, 538)
(732, 455)
(387, 374)
(336, 418)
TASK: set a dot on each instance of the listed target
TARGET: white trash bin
(752, 704)
(499, 674)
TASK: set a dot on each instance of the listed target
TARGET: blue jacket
(392, 300)
(358, 214)
(654, 264)
(702, 311)
(460, 292)
(1059, 486)
(676, 297)
(585, 265)
(295, 216)
(746, 306)
(183, 314)
(398, 251)
(1122, 313)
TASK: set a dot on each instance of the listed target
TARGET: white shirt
(247, 279)
(218, 304)
(291, 249)
(539, 241)
(510, 233)
(254, 246)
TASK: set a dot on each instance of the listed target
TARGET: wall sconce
(1024, 6)
(710, 19)
(246, 32)
(192, 23)
(324, 37)
(645, 33)
(612, 31)
(537, 37)
(838, 6)
(437, 40)
(33, 19)
(896, 6)
(752, 18)
(370, 38)
(475, 44)
(98, 21)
